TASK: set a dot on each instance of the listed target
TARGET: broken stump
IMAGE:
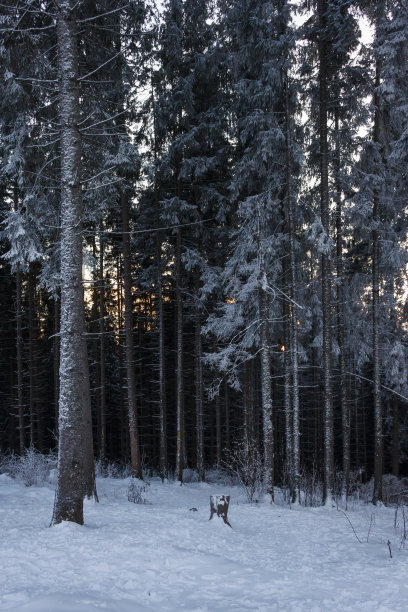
(219, 505)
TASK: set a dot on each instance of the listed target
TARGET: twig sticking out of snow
(351, 525)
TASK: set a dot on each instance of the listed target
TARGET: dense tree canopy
(204, 237)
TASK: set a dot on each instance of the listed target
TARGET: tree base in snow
(219, 505)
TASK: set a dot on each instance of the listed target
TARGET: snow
(162, 556)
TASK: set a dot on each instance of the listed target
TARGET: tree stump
(219, 505)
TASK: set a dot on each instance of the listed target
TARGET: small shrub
(311, 488)
(33, 468)
(136, 490)
(190, 475)
(244, 464)
(112, 469)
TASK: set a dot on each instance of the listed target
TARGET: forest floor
(162, 556)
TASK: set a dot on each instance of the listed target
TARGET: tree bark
(102, 366)
(266, 389)
(31, 351)
(378, 418)
(293, 445)
(344, 401)
(129, 344)
(19, 345)
(395, 436)
(19, 355)
(75, 433)
(180, 451)
(328, 491)
(199, 398)
(164, 467)
(56, 360)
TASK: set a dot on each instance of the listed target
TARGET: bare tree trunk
(328, 491)
(344, 401)
(395, 436)
(227, 418)
(129, 344)
(19, 345)
(293, 333)
(266, 388)
(164, 467)
(180, 372)
(31, 350)
(218, 436)
(288, 402)
(75, 433)
(19, 351)
(378, 417)
(199, 398)
(56, 359)
(124, 428)
(102, 366)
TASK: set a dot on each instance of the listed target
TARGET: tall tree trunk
(266, 389)
(218, 435)
(288, 401)
(294, 351)
(124, 428)
(164, 467)
(31, 351)
(199, 398)
(75, 428)
(19, 355)
(180, 372)
(328, 491)
(129, 344)
(378, 418)
(102, 365)
(395, 436)
(19, 345)
(227, 443)
(56, 360)
(345, 408)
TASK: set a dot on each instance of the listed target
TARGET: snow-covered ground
(163, 556)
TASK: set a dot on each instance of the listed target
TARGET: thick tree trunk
(328, 491)
(75, 475)
(129, 344)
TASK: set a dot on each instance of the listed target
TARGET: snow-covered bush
(136, 491)
(190, 475)
(33, 468)
(112, 469)
(244, 465)
(218, 476)
(311, 488)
